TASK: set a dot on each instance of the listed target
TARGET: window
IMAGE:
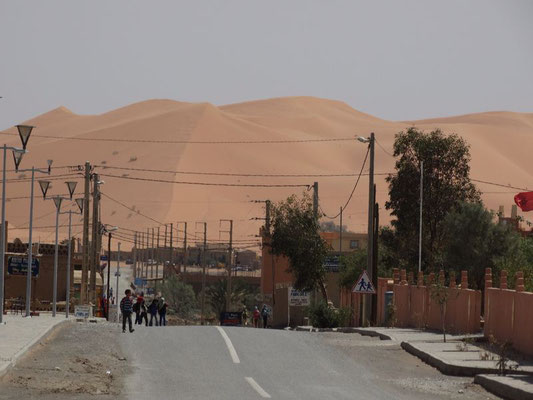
(354, 244)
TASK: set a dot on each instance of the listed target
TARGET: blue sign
(103, 258)
(331, 263)
(231, 318)
(150, 290)
(19, 266)
(139, 282)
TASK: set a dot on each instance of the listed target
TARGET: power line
(383, 148)
(237, 174)
(353, 190)
(212, 142)
(208, 183)
(499, 184)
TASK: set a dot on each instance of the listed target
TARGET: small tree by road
(296, 235)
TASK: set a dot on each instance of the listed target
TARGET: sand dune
(500, 152)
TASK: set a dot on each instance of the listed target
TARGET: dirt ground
(399, 368)
(78, 361)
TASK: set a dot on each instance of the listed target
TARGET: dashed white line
(257, 388)
(231, 349)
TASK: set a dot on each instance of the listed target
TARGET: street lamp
(367, 310)
(109, 230)
(24, 133)
(30, 242)
(58, 200)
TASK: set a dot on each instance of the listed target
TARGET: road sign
(364, 285)
(298, 297)
(19, 266)
(81, 311)
(103, 258)
(230, 318)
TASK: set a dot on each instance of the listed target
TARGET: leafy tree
(473, 241)
(446, 183)
(440, 294)
(520, 259)
(352, 265)
(241, 294)
(179, 296)
(295, 234)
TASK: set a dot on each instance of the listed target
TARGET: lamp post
(30, 243)
(371, 201)
(24, 133)
(109, 230)
(79, 203)
(58, 201)
(117, 274)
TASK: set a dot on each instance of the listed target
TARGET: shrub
(323, 316)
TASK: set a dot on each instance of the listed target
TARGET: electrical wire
(207, 183)
(353, 190)
(383, 148)
(323, 140)
(236, 174)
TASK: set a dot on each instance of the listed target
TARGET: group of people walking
(256, 316)
(156, 308)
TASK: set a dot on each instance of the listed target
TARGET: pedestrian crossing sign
(364, 285)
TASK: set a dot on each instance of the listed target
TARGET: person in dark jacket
(141, 310)
(162, 312)
(152, 309)
(126, 307)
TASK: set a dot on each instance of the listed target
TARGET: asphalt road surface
(207, 362)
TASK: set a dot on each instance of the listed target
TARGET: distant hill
(501, 144)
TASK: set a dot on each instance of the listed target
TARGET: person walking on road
(244, 316)
(255, 317)
(126, 307)
(141, 314)
(162, 309)
(264, 315)
(152, 309)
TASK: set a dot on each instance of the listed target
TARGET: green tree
(446, 183)
(296, 235)
(352, 265)
(179, 296)
(241, 294)
(473, 241)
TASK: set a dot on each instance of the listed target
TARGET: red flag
(524, 200)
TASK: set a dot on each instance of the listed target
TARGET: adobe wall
(509, 313)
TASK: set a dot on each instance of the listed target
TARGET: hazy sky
(393, 59)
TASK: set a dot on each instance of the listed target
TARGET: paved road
(196, 362)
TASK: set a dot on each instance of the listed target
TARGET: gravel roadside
(79, 360)
(395, 367)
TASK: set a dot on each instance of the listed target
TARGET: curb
(5, 368)
(501, 389)
(362, 332)
(443, 366)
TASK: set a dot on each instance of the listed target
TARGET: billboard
(19, 266)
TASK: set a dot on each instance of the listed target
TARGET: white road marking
(257, 388)
(231, 349)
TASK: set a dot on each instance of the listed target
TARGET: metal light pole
(117, 274)
(79, 203)
(58, 200)
(24, 133)
(30, 243)
(371, 200)
(420, 231)
(109, 231)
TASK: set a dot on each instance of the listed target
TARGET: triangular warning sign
(364, 285)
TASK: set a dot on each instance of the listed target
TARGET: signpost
(82, 311)
(230, 318)
(364, 285)
(19, 266)
(296, 298)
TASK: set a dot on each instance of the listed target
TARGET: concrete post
(396, 275)
(464, 279)
(403, 276)
(420, 279)
(453, 283)
(520, 281)
(503, 279)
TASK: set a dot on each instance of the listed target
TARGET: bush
(323, 316)
(179, 297)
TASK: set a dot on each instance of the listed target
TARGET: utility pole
(157, 260)
(185, 251)
(94, 244)
(85, 260)
(375, 261)
(135, 256)
(153, 254)
(202, 301)
(117, 274)
(171, 248)
(228, 263)
(340, 237)
(370, 244)
(420, 229)
(315, 200)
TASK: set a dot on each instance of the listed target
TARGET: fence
(509, 313)
(354, 301)
(415, 307)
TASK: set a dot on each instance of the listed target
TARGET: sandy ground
(72, 363)
(395, 367)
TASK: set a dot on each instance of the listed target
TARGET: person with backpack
(255, 317)
(264, 315)
(162, 312)
(126, 307)
(140, 310)
(152, 309)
